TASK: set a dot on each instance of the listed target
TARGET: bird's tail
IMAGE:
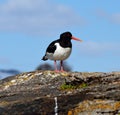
(45, 58)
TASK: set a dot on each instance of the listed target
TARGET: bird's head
(68, 35)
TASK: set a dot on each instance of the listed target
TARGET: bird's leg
(56, 70)
(61, 66)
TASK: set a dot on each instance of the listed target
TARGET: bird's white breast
(60, 53)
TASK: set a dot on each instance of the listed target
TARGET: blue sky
(28, 26)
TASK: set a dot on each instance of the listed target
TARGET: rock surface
(50, 93)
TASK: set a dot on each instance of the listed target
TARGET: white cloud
(36, 16)
(113, 17)
(4, 60)
(99, 48)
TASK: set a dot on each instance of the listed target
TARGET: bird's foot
(62, 70)
(57, 71)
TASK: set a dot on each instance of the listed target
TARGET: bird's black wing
(52, 47)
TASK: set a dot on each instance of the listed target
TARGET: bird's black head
(65, 39)
(66, 35)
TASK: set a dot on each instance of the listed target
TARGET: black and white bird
(60, 49)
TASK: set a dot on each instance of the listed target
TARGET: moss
(83, 85)
(67, 86)
(70, 86)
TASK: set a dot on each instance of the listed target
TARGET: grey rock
(78, 93)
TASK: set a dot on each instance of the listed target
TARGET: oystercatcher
(60, 49)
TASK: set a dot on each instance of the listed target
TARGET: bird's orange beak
(74, 38)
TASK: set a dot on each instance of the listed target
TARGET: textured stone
(82, 93)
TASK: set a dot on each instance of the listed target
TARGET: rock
(72, 93)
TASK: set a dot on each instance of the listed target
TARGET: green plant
(69, 86)
(83, 85)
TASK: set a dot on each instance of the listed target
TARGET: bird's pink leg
(56, 70)
(61, 66)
